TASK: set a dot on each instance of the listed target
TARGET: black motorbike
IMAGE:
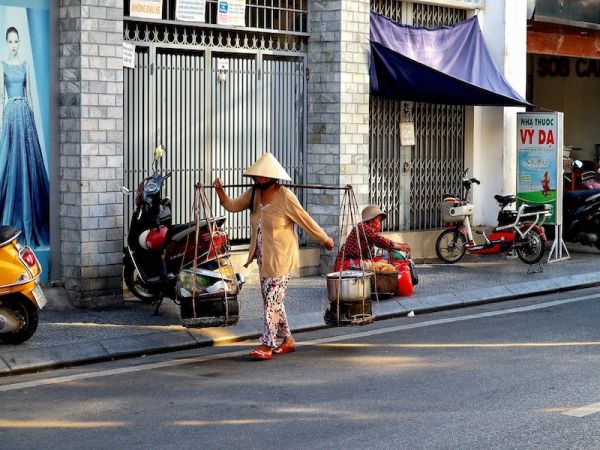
(581, 208)
(157, 250)
(581, 217)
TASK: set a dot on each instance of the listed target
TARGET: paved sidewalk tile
(388, 308)
(53, 356)
(490, 293)
(439, 301)
(580, 279)
(4, 368)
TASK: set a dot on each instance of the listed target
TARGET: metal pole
(301, 186)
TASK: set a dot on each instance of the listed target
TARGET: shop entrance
(407, 181)
(570, 85)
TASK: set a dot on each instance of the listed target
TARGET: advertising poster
(191, 10)
(232, 12)
(25, 122)
(539, 161)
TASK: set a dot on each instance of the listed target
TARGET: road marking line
(345, 337)
(583, 410)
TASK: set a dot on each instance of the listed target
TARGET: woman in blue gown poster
(24, 185)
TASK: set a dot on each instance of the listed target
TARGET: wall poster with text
(25, 122)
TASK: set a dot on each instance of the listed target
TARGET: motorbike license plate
(39, 296)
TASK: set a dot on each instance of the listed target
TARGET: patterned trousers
(275, 323)
(273, 289)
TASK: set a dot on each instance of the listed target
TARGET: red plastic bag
(405, 286)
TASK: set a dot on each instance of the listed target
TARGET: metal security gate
(258, 107)
(406, 181)
(216, 113)
(217, 97)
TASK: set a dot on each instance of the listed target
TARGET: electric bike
(520, 230)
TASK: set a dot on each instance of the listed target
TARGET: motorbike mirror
(159, 152)
(125, 190)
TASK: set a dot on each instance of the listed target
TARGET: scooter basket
(454, 212)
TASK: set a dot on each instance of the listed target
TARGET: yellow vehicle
(21, 297)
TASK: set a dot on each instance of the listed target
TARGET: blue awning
(449, 65)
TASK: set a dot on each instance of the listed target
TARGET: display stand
(558, 251)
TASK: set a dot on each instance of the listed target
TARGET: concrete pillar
(491, 131)
(338, 106)
(91, 149)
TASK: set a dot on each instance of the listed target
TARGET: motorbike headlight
(23, 277)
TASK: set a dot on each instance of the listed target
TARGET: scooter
(581, 217)
(21, 297)
(157, 249)
(520, 230)
(579, 179)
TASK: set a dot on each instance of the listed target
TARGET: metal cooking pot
(350, 285)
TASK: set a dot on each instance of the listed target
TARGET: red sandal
(259, 353)
(285, 348)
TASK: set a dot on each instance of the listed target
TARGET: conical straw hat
(267, 166)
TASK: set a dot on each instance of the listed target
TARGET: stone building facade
(91, 149)
(90, 152)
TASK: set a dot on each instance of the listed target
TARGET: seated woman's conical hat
(267, 166)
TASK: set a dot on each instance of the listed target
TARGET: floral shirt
(369, 238)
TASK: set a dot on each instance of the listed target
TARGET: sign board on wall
(232, 12)
(539, 161)
(128, 55)
(191, 10)
(407, 133)
(148, 9)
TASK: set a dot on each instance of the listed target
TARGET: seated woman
(368, 237)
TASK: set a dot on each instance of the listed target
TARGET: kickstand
(158, 303)
(533, 269)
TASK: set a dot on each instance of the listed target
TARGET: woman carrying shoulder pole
(274, 210)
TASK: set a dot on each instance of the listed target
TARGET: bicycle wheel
(531, 248)
(450, 246)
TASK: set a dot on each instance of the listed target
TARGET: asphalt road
(520, 374)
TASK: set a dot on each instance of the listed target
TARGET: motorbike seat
(504, 200)
(8, 233)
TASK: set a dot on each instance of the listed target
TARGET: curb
(85, 352)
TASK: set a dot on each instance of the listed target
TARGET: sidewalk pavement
(75, 336)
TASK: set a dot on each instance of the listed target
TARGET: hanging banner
(539, 161)
(25, 123)
(191, 10)
(232, 12)
(148, 9)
